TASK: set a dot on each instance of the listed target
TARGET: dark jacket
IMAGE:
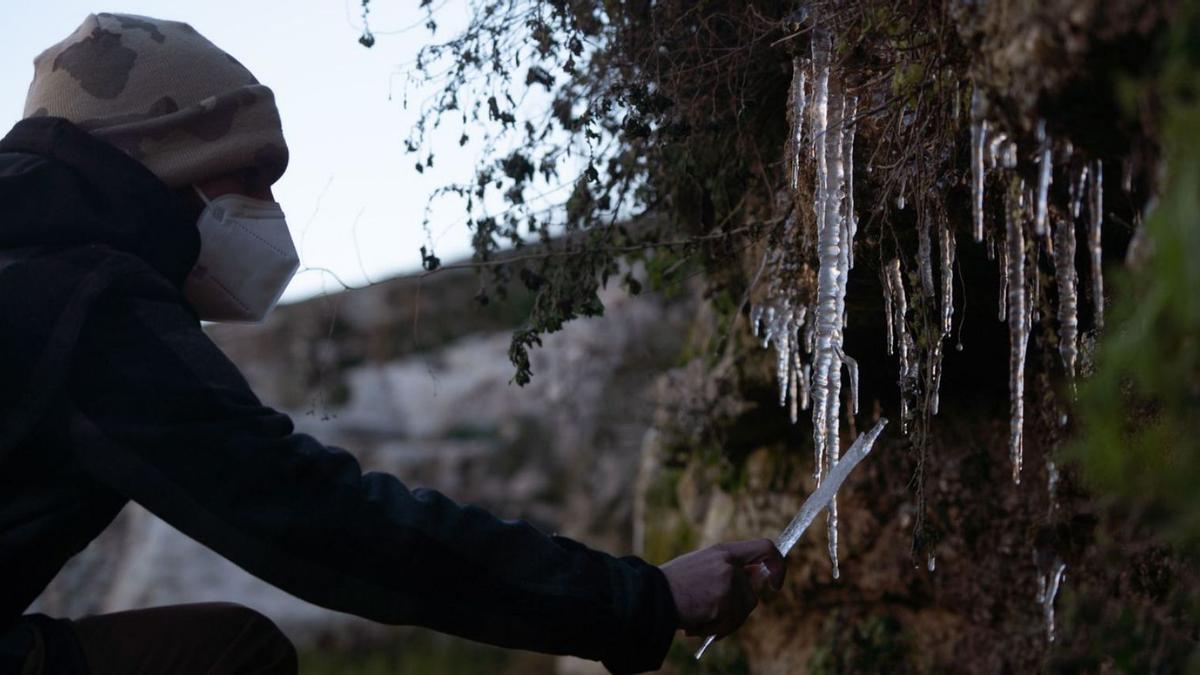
(114, 393)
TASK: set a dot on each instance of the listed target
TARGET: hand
(716, 588)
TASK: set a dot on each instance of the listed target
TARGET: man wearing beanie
(135, 201)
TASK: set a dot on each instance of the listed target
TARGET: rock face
(414, 382)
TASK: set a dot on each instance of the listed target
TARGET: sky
(352, 196)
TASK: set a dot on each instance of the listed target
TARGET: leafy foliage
(1139, 408)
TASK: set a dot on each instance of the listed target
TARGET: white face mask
(246, 259)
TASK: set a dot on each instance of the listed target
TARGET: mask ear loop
(201, 193)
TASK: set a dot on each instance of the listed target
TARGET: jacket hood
(61, 187)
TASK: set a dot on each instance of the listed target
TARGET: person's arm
(161, 415)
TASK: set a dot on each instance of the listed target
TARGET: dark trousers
(209, 638)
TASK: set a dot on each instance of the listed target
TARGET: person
(135, 201)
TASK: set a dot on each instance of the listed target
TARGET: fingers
(742, 601)
(760, 577)
(716, 589)
(761, 556)
(750, 550)
(774, 568)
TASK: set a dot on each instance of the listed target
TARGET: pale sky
(345, 135)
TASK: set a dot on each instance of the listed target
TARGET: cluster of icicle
(1026, 209)
(1027, 212)
(806, 333)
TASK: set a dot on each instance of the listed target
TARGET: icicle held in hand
(820, 498)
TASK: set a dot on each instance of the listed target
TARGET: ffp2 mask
(246, 259)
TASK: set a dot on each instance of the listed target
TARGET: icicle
(1004, 284)
(1052, 478)
(832, 524)
(794, 383)
(897, 305)
(1097, 219)
(783, 361)
(996, 148)
(1044, 178)
(946, 248)
(1076, 190)
(1008, 154)
(778, 323)
(833, 229)
(931, 562)
(935, 365)
(979, 135)
(1068, 299)
(888, 293)
(849, 125)
(924, 256)
(835, 200)
(799, 101)
(1018, 324)
(1048, 586)
(852, 371)
(828, 251)
(909, 367)
(805, 381)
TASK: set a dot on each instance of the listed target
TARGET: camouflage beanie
(162, 93)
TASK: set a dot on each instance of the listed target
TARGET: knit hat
(162, 93)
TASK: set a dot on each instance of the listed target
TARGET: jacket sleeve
(160, 414)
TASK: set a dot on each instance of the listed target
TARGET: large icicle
(979, 137)
(833, 229)
(1018, 322)
(827, 252)
(1096, 204)
(1068, 294)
